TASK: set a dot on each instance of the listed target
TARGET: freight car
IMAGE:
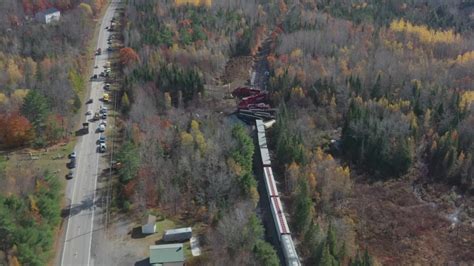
(278, 214)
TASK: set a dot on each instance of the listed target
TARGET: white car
(103, 110)
(101, 128)
(102, 147)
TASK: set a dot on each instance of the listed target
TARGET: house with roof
(167, 255)
(49, 15)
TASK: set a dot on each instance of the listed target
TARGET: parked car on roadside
(101, 128)
(101, 140)
(72, 163)
(102, 147)
(96, 116)
(70, 175)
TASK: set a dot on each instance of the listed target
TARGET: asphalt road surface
(81, 190)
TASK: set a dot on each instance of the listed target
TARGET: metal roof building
(167, 255)
(179, 234)
(48, 15)
(149, 225)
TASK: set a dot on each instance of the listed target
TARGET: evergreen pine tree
(326, 258)
(302, 207)
(332, 240)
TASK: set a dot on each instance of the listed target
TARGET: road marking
(70, 205)
(77, 172)
(97, 154)
(93, 210)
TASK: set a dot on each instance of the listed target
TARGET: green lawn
(187, 250)
(162, 226)
(24, 166)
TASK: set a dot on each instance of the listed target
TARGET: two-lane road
(81, 190)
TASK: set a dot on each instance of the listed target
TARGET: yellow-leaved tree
(194, 2)
(423, 33)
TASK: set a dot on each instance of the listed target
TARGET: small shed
(167, 255)
(149, 225)
(49, 15)
(178, 235)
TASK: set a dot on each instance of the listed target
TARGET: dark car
(89, 101)
(70, 175)
(101, 140)
(94, 77)
(72, 163)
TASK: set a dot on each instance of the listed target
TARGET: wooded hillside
(367, 91)
(389, 82)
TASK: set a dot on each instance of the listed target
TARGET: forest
(370, 94)
(42, 70)
(372, 147)
(391, 84)
(185, 157)
(42, 84)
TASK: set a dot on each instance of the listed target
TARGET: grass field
(22, 167)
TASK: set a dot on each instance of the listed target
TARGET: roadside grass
(23, 166)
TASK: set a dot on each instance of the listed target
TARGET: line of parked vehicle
(101, 114)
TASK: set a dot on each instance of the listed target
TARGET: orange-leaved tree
(128, 56)
(15, 130)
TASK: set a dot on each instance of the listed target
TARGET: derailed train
(278, 215)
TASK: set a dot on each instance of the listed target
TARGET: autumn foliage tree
(32, 6)
(15, 130)
(128, 56)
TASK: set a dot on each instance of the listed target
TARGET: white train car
(289, 251)
(270, 183)
(260, 126)
(265, 155)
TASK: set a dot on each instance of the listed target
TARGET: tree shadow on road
(77, 208)
(143, 262)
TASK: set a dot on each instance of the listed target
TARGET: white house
(149, 225)
(48, 15)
